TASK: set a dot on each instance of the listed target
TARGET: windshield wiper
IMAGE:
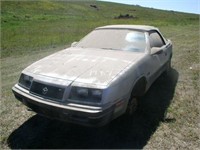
(111, 49)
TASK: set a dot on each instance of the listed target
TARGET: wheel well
(139, 87)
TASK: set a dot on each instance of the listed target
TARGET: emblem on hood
(45, 90)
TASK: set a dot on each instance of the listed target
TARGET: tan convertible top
(134, 27)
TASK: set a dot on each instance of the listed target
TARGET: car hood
(91, 66)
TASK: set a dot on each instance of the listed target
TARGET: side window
(156, 40)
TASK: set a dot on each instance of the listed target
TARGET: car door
(158, 59)
(156, 40)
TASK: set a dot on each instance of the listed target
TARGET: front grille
(47, 91)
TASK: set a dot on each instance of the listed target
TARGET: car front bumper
(74, 113)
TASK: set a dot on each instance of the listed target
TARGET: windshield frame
(110, 48)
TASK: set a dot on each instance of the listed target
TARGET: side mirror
(74, 44)
(169, 40)
(156, 50)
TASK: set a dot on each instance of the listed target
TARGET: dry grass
(176, 95)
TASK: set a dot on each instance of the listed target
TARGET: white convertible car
(98, 78)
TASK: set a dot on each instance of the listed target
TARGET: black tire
(138, 91)
(132, 106)
(168, 67)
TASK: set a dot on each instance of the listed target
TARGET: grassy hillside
(36, 25)
(32, 30)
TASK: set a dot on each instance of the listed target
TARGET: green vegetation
(30, 26)
(31, 30)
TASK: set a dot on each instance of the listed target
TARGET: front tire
(137, 91)
(132, 106)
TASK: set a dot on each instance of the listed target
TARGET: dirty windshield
(115, 39)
